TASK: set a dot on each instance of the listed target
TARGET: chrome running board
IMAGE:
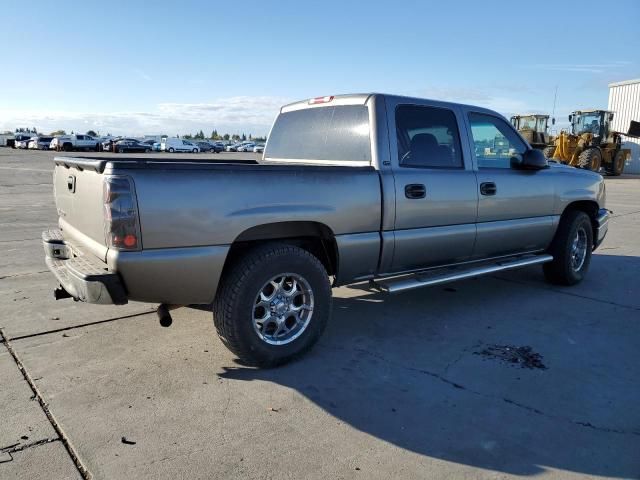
(436, 277)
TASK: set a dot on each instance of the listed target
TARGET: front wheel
(571, 249)
(171, 150)
(549, 151)
(590, 159)
(273, 305)
(195, 150)
(618, 163)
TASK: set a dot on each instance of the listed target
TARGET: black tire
(548, 151)
(617, 167)
(562, 270)
(195, 150)
(590, 159)
(171, 150)
(235, 304)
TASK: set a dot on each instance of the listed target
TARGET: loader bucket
(634, 129)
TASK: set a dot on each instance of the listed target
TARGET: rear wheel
(273, 305)
(571, 249)
(548, 151)
(618, 163)
(590, 159)
(195, 150)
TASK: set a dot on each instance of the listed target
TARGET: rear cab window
(428, 137)
(325, 134)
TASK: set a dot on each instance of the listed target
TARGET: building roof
(624, 82)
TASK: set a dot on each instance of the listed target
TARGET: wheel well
(587, 206)
(314, 237)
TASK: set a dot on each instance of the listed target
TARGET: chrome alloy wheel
(282, 309)
(579, 249)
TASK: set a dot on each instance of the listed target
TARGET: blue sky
(175, 67)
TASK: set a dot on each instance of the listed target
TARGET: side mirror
(570, 117)
(532, 159)
(553, 121)
(611, 117)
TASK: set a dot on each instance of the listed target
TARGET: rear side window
(323, 133)
(427, 137)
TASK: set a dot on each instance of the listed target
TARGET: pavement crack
(509, 401)
(45, 408)
(20, 240)
(625, 214)
(560, 292)
(22, 274)
(73, 327)
(18, 447)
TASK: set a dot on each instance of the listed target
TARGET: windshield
(586, 123)
(527, 123)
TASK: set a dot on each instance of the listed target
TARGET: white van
(178, 145)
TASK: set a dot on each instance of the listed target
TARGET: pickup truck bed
(206, 206)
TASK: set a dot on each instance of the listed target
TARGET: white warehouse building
(624, 101)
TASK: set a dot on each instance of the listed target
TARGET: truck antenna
(555, 97)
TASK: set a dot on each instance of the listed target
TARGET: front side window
(494, 141)
(427, 137)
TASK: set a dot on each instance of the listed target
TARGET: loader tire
(590, 159)
(571, 249)
(548, 152)
(273, 304)
(617, 167)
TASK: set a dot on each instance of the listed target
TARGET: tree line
(217, 136)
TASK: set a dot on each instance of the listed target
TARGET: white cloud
(580, 67)
(234, 115)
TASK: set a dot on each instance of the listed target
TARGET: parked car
(246, 147)
(69, 143)
(156, 146)
(21, 140)
(205, 146)
(130, 145)
(347, 202)
(22, 144)
(217, 146)
(40, 143)
(258, 148)
(178, 145)
(107, 145)
(232, 147)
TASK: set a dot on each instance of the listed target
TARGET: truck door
(435, 186)
(515, 206)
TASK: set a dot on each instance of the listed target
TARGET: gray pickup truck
(398, 192)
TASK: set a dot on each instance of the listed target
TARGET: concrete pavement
(398, 387)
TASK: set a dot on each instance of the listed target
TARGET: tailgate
(79, 201)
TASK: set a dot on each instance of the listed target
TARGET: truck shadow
(408, 370)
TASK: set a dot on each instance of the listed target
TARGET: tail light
(122, 228)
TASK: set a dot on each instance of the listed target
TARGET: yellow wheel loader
(591, 144)
(535, 129)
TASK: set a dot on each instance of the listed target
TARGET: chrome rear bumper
(84, 277)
